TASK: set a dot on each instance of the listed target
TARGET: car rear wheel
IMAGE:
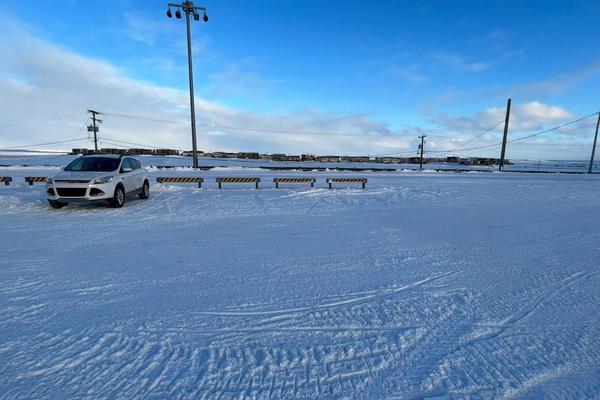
(145, 191)
(118, 198)
(56, 204)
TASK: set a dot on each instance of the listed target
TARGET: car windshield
(98, 164)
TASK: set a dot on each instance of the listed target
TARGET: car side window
(137, 164)
(126, 164)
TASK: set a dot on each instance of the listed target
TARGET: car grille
(71, 192)
(72, 180)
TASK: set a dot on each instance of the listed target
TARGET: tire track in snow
(499, 328)
(498, 368)
(343, 302)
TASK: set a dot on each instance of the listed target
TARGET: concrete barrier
(277, 181)
(362, 181)
(32, 179)
(186, 179)
(237, 180)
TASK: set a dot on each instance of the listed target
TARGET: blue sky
(384, 72)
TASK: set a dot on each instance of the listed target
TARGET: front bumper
(71, 192)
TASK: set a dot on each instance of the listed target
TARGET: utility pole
(94, 128)
(594, 147)
(503, 153)
(421, 147)
(189, 8)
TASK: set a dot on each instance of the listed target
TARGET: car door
(128, 177)
(139, 173)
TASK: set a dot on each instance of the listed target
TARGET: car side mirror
(126, 169)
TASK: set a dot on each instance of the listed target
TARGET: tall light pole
(189, 8)
(421, 149)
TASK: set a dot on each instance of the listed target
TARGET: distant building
(167, 152)
(138, 151)
(484, 161)
(329, 158)
(109, 150)
(357, 159)
(277, 157)
(251, 156)
(389, 160)
(189, 153)
(308, 157)
(284, 157)
(221, 154)
(79, 151)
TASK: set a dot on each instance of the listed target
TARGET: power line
(124, 142)
(405, 153)
(113, 144)
(44, 144)
(528, 136)
(11, 124)
(237, 128)
(552, 129)
(129, 116)
(473, 139)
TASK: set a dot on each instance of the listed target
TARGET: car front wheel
(56, 204)
(118, 198)
(145, 191)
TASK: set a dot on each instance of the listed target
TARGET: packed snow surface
(431, 285)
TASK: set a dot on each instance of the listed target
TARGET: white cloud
(524, 117)
(410, 73)
(458, 61)
(558, 84)
(237, 80)
(572, 142)
(40, 79)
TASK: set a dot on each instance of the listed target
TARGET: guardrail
(294, 180)
(6, 179)
(237, 180)
(187, 179)
(32, 179)
(362, 181)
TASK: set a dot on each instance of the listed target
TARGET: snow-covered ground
(431, 285)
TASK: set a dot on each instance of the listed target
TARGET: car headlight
(104, 179)
(49, 180)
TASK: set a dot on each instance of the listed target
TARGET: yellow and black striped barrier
(32, 179)
(238, 180)
(294, 180)
(6, 179)
(331, 181)
(187, 179)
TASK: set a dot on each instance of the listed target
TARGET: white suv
(98, 177)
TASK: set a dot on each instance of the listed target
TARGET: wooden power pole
(594, 146)
(94, 128)
(503, 153)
